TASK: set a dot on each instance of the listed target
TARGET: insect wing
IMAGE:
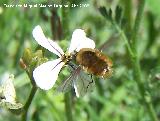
(68, 83)
(83, 84)
(81, 81)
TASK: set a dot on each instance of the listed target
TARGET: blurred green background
(113, 99)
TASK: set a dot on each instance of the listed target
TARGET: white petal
(8, 89)
(88, 43)
(46, 74)
(46, 43)
(76, 90)
(79, 40)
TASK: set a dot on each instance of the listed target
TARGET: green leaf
(118, 15)
(105, 13)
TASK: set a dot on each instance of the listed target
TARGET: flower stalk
(68, 106)
(28, 103)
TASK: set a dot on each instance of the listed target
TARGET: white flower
(46, 74)
(8, 93)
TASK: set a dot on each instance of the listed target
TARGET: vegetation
(125, 30)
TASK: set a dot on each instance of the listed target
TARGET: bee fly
(94, 62)
(88, 61)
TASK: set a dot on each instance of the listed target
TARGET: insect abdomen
(94, 62)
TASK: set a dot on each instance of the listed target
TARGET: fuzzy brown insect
(94, 62)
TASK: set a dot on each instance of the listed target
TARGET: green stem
(137, 24)
(28, 103)
(132, 49)
(128, 13)
(151, 111)
(65, 13)
(98, 105)
(68, 106)
(124, 37)
(137, 75)
(67, 96)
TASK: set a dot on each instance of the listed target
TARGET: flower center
(66, 57)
